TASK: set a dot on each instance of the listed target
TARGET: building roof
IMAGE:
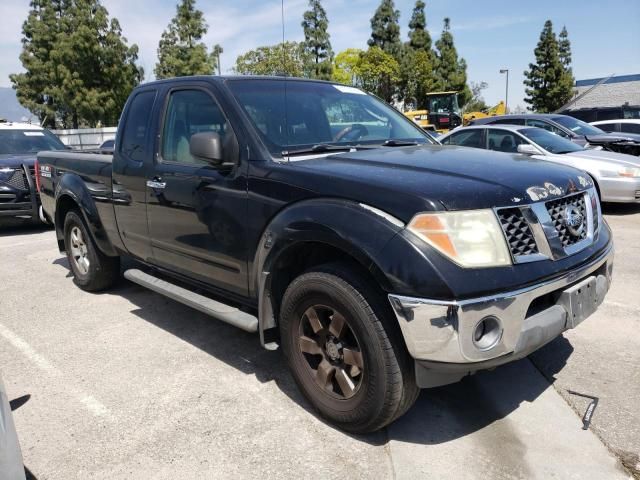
(618, 91)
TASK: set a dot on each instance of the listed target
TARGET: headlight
(630, 172)
(470, 238)
(6, 174)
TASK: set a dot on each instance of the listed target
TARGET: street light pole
(506, 94)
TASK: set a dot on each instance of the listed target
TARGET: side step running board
(223, 312)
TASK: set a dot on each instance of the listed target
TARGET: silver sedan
(616, 175)
(10, 457)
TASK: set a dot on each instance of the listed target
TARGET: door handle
(156, 183)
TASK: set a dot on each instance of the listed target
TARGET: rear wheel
(343, 352)
(92, 270)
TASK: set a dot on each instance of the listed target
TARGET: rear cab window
(134, 145)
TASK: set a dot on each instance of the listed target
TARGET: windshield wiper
(319, 148)
(399, 143)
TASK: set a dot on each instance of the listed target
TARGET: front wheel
(92, 269)
(343, 353)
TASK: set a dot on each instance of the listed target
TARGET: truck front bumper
(451, 339)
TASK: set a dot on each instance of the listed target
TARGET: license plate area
(581, 300)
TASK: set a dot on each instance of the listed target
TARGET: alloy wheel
(79, 251)
(331, 351)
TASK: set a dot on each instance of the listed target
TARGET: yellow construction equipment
(499, 109)
(444, 114)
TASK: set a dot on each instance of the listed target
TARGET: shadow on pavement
(10, 227)
(443, 413)
(620, 209)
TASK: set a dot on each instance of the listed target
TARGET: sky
(490, 34)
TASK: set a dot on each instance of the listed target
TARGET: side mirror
(206, 146)
(528, 149)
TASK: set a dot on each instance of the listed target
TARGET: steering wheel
(358, 128)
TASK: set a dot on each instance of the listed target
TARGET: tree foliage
(477, 103)
(344, 66)
(549, 81)
(451, 71)
(181, 51)
(417, 63)
(288, 58)
(317, 43)
(564, 48)
(377, 72)
(385, 29)
(419, 38)
(79, 69)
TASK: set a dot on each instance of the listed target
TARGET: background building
(606, 98)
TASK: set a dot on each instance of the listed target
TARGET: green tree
(344, 66)
(316, 41)
(549, 84)
(378, 72)
(419, 38)
(216, 51)
(477, 103)
(564, 48)
(451, 71)
(385, 29)
(79, 69)
(181, 51)
(288, 58)
(417, 66)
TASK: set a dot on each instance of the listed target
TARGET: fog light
(487, 333)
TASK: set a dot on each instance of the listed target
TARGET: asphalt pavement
(129, 384)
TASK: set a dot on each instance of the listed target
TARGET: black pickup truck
(321, 218)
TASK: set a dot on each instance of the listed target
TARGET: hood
(617, 137)
(621, 159)
(405, 180)
(16, 160)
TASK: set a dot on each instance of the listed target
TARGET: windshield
(578, 126)
(550, 141)
(28, 141)
(294, 115)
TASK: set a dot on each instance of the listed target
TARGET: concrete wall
(84, 138)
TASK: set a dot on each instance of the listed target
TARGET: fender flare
(358, 230)
(73, 187)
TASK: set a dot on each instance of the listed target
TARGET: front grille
(18, 180)
(516, 229)
(637, 194)
(556, 209)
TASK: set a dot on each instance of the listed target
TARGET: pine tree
(180, 51)
(564, 48)
(79, 69)
(549, 83)
(417, 74)
(451, 71)
(385, 29)
(419, 38)
(33, 88)
(316, 41)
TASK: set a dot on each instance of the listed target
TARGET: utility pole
(506, 94)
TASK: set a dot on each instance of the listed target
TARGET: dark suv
(19, 144)
(568, 127)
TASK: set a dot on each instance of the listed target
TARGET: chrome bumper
(442, 331)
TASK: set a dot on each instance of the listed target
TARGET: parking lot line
(94, 406)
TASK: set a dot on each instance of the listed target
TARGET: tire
(361, 379)
(92, 269)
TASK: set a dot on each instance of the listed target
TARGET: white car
(624, 125)
(616, 175)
